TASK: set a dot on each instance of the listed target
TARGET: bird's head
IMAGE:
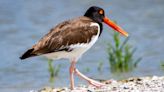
(98, 15)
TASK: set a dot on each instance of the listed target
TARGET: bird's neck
(100, 23)
(101, 28)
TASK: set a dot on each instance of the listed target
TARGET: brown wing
(63, 35)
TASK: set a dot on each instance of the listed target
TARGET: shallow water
(23, 22)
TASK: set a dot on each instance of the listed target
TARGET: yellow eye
(101, 12)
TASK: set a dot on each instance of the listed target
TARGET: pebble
(142, 84)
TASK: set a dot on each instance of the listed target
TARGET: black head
(95, 13)
(98, 15)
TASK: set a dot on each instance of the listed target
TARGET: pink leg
(71, 71)
(91, 81)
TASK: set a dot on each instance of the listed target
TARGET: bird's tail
(28, 54)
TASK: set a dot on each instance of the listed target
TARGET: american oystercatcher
(71, 39)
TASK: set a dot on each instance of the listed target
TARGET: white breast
(78, 49)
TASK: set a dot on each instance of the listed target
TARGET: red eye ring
(101, 12)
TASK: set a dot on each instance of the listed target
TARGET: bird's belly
(75, 53)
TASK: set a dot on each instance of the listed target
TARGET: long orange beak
(114, 26)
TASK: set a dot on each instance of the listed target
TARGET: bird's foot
(90, 81)
(95, 83)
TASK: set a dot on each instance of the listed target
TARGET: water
(23, 22)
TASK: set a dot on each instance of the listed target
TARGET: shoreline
(134, 84)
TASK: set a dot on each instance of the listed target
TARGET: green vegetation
(54, 71)
(121, 55)
(100, 66)
(86, 69)
(162, 64)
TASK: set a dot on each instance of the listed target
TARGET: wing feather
(65, 34)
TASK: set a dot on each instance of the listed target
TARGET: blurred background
(24, 22)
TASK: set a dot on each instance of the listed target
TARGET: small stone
(126, 87)
(154, 78)
(141, 84)
(89, 90)
(114, 88)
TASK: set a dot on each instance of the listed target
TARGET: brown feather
(63, 35)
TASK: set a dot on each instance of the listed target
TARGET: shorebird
(72, 38)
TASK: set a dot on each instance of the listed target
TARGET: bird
(72, 38)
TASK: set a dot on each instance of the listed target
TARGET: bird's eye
(101, 12)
